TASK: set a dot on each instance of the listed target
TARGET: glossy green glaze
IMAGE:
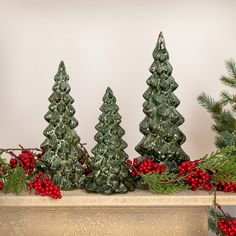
(162, 138)
(110, 172)
(63, 153)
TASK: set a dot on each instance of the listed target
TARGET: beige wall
(110, 43)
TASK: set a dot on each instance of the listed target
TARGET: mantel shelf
(138, 198)
(136, 213)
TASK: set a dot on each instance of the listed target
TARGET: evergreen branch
(228, 81)
(4, 167)
(216, 129)
(164, 183)
(231, 79)
(225, 122)
(210, 104)
(221, 163)
(216, 214)
(212, 224)
(214, 217)
(231, 68)
(16, 181)
(225, 139)
(226, 98)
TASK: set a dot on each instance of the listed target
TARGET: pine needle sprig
(212, 224)
(225, 138)
(231, 69)
(15, 182)
(210, 104)
(222, 163)
(164, 183)
(3, 164)
(231, 82)
(214, 216)
(223, 116)
(226, 98)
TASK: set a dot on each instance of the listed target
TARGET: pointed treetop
(160, 48)
(109, 96)
(161, 34)
(161, 42)
(61, 67)
(61, 73)
(109, 91)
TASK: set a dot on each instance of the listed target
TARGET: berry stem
(220, 208)
(9, 151)
(214, 207)
(19, 149)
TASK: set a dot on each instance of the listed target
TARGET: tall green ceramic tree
(63, 153)
(162, 137)
(110, 172)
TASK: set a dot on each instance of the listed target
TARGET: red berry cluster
(226, 187)
(1, 185)
(195, 177)
(26, 160)
(145, 166)
(187, 166)
(45, 187)
(228, 227)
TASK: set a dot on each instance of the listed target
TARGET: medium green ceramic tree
(110, 172)
(63, 153)
(162, 137)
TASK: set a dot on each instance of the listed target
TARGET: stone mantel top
(138, 198)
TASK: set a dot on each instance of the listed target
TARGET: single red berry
(1, 185)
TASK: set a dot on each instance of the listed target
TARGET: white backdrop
(110, 43)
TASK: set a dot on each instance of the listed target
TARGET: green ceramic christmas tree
(162, 138)
(63, 154)
(110, 172)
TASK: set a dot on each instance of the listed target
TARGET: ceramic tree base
(137, 213)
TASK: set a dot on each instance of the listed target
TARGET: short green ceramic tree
(110, 172)
(64, 155)
(162, 137)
